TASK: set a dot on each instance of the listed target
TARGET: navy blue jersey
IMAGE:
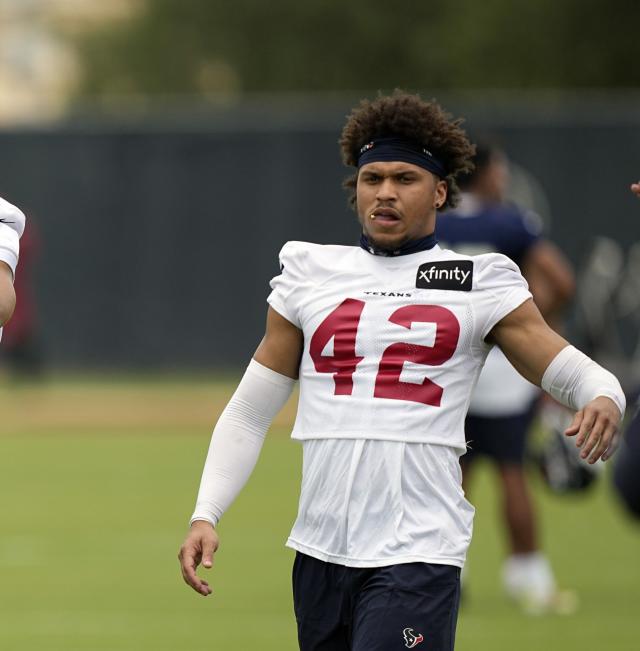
(476, 228)
(626, 478)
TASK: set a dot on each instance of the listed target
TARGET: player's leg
(503, 440)
(320, 605)
(518, 509)
(407, 606)
(526, 574)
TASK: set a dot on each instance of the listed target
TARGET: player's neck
(412, 246)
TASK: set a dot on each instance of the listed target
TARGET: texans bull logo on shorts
(411, 639)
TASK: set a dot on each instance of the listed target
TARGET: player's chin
(389, 241)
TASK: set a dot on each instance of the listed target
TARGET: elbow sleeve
(238, 437)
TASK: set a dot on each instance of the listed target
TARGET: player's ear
(440, 193)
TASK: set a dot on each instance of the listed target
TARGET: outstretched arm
(237, 440)
(546, 359)
(7, 293)
(11, 228)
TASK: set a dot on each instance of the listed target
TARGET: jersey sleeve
(500, 288)
(12, 221)
(9, 247)
(289, 288)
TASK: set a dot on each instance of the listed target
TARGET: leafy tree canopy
(218, 46)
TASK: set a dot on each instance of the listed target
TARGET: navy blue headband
(400, 149)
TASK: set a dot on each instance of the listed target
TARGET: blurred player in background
(387, 339)
(626, 473)
(503, 404)
(12, 222)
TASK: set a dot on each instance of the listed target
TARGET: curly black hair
(409, 116)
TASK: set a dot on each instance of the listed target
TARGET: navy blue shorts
(407, 606)
(626, 471)
(503, 439)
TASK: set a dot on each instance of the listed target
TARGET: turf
(98, 479)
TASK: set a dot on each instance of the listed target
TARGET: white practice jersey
(501, 391)
(392, 349)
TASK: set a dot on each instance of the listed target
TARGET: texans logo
(411, 639)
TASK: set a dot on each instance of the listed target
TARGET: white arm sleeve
(12, 222)
(238, 437)
(574, 379)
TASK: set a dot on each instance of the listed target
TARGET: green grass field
(98, 480)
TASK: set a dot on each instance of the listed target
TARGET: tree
(210, 46)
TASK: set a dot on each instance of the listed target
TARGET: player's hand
(199, 547)
(635, 188)
(596, 427)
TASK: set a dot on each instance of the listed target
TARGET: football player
(503, 404)
(12, 222)
(387, 340)
(626, 477)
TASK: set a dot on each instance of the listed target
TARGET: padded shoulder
(494, 271)
(304, 260)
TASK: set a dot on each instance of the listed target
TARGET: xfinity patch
(449, 274)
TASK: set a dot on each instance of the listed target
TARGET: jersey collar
(413, 246)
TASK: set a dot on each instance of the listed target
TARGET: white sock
(529, 575)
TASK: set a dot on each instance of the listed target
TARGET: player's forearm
(238, 437)
(574, 379)
(7, 294)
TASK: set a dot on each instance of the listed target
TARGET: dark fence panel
(159, 239)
